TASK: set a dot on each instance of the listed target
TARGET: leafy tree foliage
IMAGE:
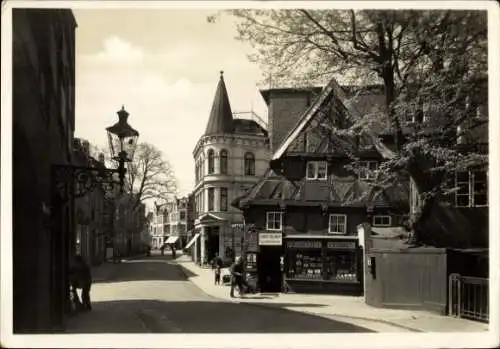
(432, 66)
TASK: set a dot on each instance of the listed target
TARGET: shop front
(323, 264)
(269, 261)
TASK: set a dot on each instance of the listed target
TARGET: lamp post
(69, 182)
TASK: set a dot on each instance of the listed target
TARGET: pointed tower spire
(221, 117)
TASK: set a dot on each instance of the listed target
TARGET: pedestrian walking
(172, 247)
(81, 278)
(162, 249)
(237, 277)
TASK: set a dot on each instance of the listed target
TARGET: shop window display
(305, 260)
(341, 266)
(327, 261)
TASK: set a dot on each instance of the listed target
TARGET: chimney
(86, 147)
(285, 107)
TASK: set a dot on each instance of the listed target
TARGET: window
(211, 166)
(472, 189)
(337, 224)
(183, 215)
(211, 199)
(341, 265)
(223, 161)
(368, 169)
(316, 170)
(223, 199)
(381, 221)
(274, 220)
(249, 164)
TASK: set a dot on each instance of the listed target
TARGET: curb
(328, 316)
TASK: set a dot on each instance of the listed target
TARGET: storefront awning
(192, 240)
(172, 239)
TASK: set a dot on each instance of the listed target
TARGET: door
(269, 269)
(213, 243)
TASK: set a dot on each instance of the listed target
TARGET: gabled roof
(275, 189)
(330, 91)
(221, 117)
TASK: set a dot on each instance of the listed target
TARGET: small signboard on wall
(341, 244)
(270, 239)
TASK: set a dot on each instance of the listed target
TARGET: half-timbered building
(309, 205)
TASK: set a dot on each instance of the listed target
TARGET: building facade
(129, 225)
(230, 157)
(43, 118)
(308, 207)
(90, 218)
(177, 223)
(159, 226)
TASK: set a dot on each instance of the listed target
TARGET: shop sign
(341, 244)
(270, 239)
(304, 244)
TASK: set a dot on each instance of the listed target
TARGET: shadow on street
(200, 317)
(145, 269)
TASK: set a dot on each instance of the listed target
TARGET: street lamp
(69, 182)
(122, 143)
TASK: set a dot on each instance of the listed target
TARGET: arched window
(211, 161)
(223, 199)
(223, 161)
(249, 164)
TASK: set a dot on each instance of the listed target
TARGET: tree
(150, 176)
(432, 66)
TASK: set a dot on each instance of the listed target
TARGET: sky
(163, 65)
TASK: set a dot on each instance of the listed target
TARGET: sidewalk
(342, 308)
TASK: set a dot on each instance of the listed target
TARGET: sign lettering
(304, 244)
(341, 244)
(270, 239)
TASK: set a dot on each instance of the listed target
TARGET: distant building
(159, 227)
(230, 157)
(177, 223)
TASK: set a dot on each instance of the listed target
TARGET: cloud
(119, 50)
(168, 93)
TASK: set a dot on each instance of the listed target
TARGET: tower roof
(221, 117)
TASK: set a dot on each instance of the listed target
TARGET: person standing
(81, 278)
(217, 266)
(172, 247)
(162, 249)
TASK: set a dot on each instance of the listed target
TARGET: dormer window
(368, 169)
(317, 170)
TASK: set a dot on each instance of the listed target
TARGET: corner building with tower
(230, 157)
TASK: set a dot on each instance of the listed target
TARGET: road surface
(152, 295)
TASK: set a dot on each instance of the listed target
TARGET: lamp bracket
(75, 181)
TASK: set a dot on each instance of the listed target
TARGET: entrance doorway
(268, 268)
(212, 243)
